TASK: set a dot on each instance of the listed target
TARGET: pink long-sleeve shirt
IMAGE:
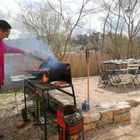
(4, 48)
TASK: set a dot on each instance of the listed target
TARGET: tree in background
(54, 23)
(119, 25)
(132, 20)
(92, 40)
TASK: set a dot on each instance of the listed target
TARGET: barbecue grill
(58, 72)
(59, 79)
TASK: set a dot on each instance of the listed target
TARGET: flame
(44, 78)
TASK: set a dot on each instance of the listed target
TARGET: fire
(44, 78)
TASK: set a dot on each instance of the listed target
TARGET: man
(5, 28)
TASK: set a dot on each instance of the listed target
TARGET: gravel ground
(10, 117)
(99, 94)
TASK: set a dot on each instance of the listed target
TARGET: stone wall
(105, 114)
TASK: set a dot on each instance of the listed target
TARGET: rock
(106, 118)
(121, 108)
(134, 103)
(91, 117)
(122, 117)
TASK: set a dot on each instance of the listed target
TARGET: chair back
(132, 68)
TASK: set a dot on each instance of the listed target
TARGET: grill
(58, 79)
(57, 72)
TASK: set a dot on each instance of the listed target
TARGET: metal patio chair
(130, 76)
(106, 74)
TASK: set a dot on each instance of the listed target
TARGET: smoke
(35, 46)
(51, 62)
(16, 64)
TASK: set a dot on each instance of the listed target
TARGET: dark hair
(4, 25)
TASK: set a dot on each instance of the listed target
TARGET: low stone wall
(109, 113)
(103, 114)
(106, 114)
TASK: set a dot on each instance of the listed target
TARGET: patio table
(111, 70)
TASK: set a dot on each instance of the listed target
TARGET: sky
(10, 9)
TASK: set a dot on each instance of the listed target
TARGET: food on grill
(58, 83)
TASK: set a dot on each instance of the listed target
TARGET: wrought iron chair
(130, 76)
(106, 74)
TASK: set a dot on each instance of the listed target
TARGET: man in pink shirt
(5, 28)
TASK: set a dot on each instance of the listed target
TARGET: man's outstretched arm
(11, 49)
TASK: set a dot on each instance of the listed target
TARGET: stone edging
(108, 113)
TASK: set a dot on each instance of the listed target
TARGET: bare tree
(105, 6)
(132, 21)
(53, 24)
(113, 13)
(120, 25)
